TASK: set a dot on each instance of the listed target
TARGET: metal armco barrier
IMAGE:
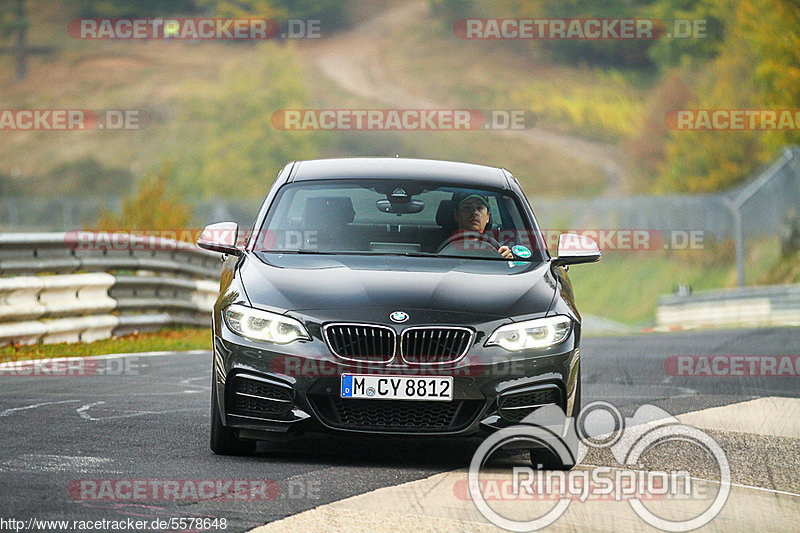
(777, 305)
(84, 286)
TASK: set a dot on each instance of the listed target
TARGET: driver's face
(472, 215)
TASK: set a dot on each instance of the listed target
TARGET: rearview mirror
(400, 208)
(576, 249)
(220, 237)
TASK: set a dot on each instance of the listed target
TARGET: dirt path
(352, 60)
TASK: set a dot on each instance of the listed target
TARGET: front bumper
(266, 394)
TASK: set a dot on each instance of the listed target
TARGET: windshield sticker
(521, 252)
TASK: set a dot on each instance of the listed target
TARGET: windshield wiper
(313, 252)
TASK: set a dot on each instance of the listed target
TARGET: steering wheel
(479, 244)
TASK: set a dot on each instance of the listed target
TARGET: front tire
(223, 439)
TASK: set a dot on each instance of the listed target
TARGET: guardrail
(84, 286)
(773, 305)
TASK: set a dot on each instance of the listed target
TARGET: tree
(237, 149)
(331, 12)
(134, 8)
(14, 21)
(758, 67)
(672, 52)
(773, 27)
(622, 52)
(647, 144)
(150, 207)
(243, 8)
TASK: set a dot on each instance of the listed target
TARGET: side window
(511, 215)
(497, 215)
(296, 204)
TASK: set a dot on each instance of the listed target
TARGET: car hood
(345, 283)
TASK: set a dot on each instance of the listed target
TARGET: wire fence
(767, 204)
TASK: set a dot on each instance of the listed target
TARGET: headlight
(538, 333)
(259, 325)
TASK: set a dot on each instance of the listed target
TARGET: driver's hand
(505, 251)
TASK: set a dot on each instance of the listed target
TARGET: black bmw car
(391, 296)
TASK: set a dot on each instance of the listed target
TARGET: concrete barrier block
(21, 332)
(76, 294)
(19, 298)
(72, 330)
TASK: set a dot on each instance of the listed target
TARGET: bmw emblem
(398, 316)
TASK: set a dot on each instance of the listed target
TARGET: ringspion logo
(628, 439)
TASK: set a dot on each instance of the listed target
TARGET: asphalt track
(149, 421)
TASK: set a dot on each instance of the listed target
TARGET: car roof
(400, 168)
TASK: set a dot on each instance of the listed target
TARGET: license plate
(397, 387)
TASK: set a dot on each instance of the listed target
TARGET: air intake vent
(397, 415)
(255, 398)
(516, 406)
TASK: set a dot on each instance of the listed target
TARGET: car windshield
(397, 217)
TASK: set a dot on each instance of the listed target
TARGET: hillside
(207, 106)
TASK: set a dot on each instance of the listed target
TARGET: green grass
(600, 104)
(625, 286)
(180, 339)
(784, 270)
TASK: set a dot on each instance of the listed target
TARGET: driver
(472, 215)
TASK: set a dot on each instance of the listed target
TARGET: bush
(150, 207)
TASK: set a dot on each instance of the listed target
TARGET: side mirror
(220, 237)
(576, 249)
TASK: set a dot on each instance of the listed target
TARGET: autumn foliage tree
(757, 67)
(150, 208)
